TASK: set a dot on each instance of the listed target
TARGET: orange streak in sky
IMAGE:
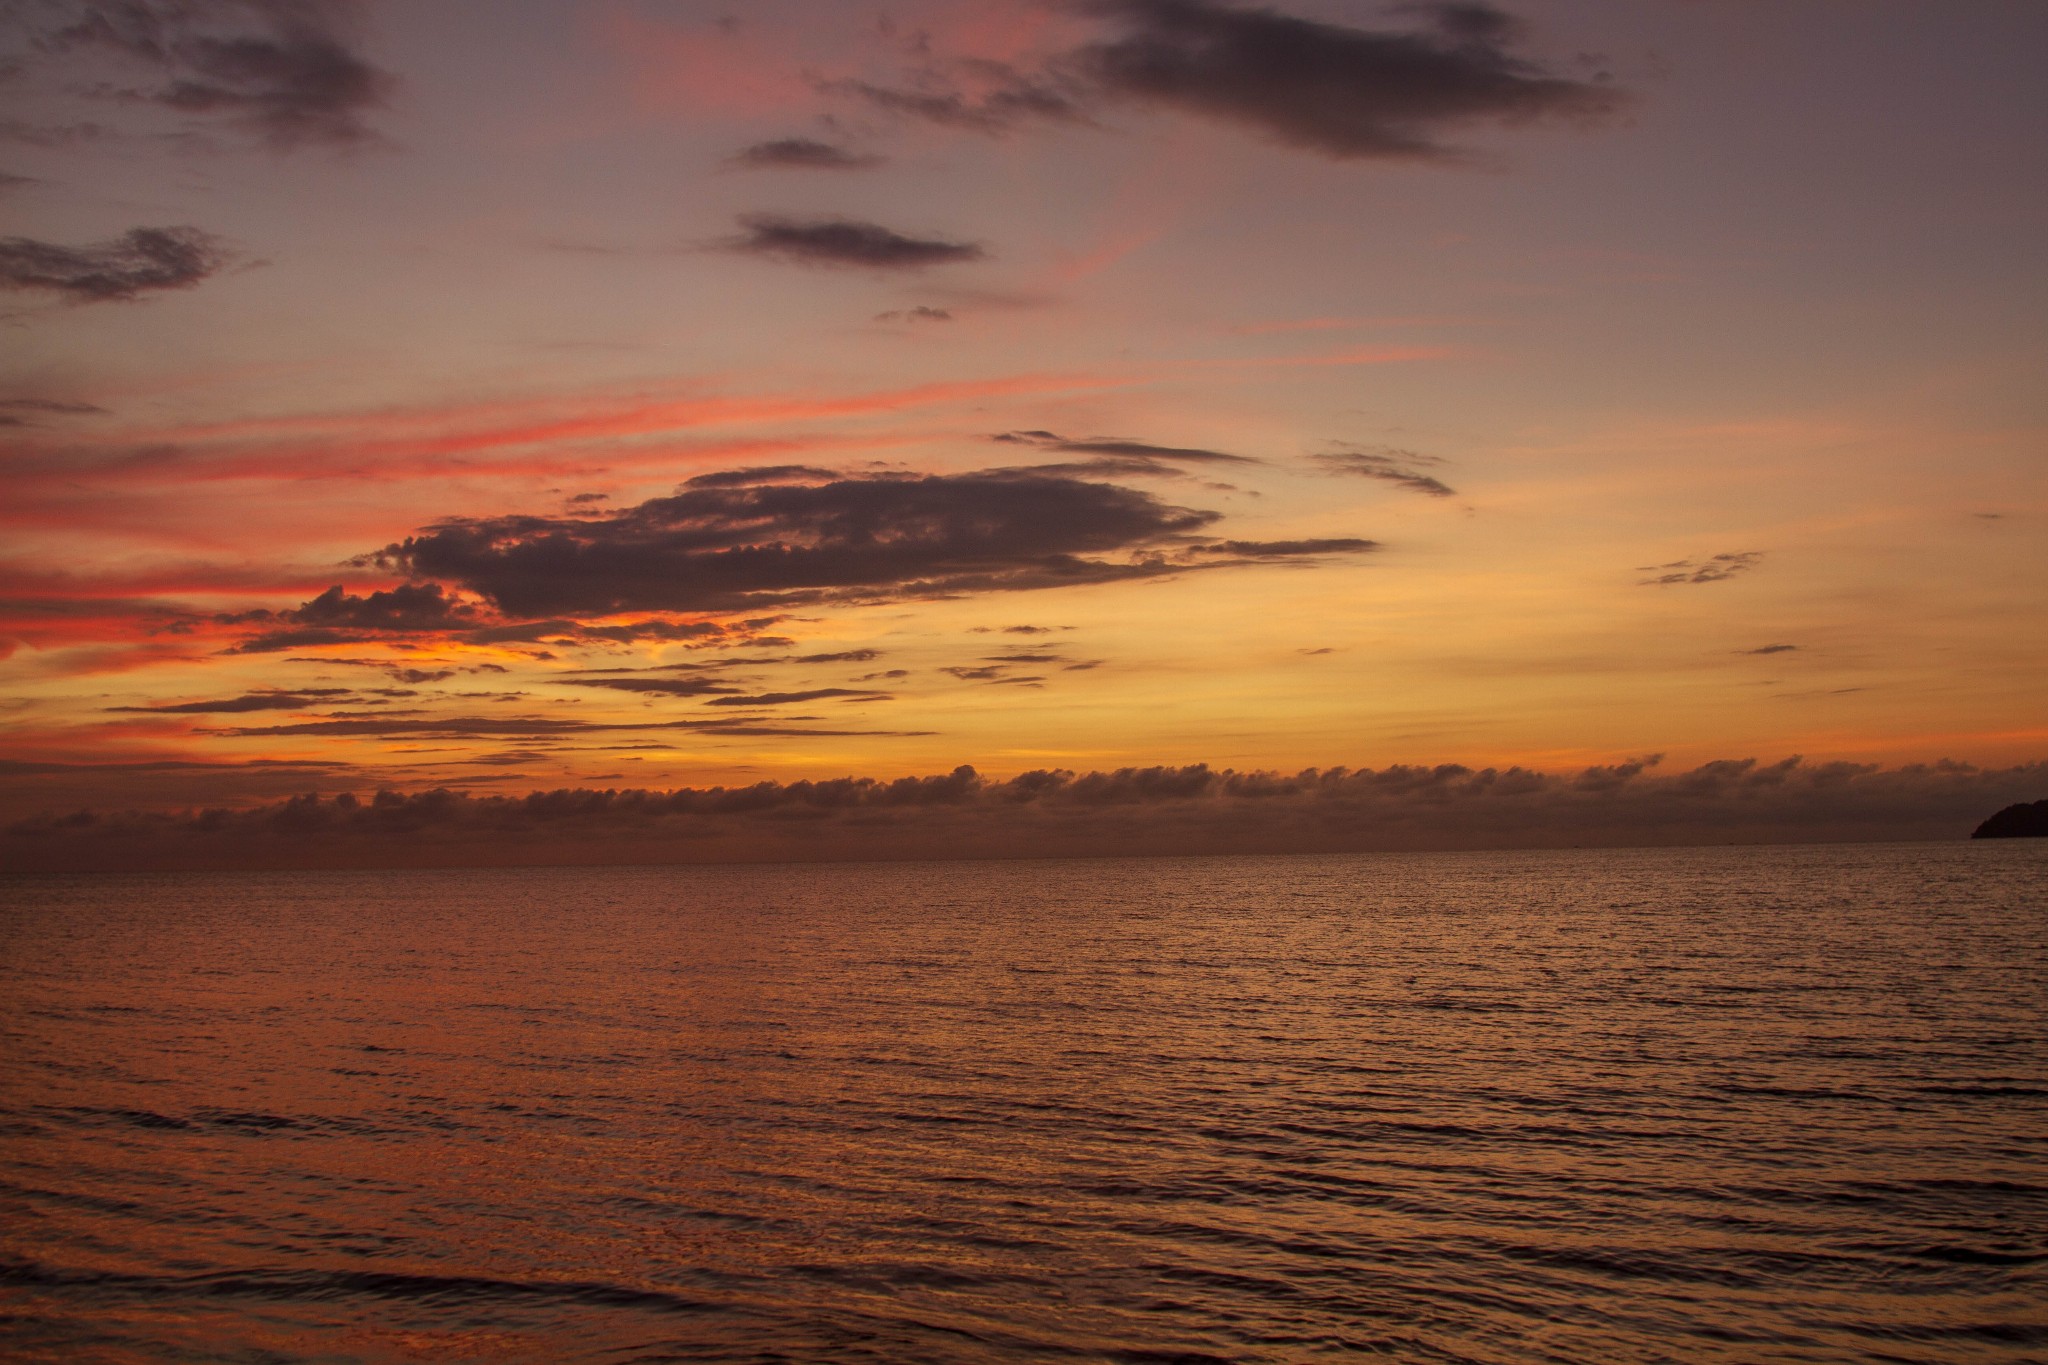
(18, 581)
(485, 440)
(484, 426)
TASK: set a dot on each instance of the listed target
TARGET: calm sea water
(1784, 1104)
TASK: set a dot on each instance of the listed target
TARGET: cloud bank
(1158, 810)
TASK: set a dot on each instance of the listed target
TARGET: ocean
(1783, 1104)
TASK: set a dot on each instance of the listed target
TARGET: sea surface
(1685, 1105)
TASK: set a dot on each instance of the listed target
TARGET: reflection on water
(1780, 1104)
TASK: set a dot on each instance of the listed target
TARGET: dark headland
(2027, 820)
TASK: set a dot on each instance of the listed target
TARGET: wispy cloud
(142, 261)
(253, 701)
(921, 313)
(1397, 467)
(17, 412)
(1119, 456)
(287, 71)
(1713, 569)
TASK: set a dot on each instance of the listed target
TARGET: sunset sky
(604, 393)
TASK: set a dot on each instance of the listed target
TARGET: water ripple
(1720, 1106)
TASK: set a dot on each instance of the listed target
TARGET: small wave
(319, 1286)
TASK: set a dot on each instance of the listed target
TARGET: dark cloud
(810, 694)
(1024, 658)
(802, 154)
(1191, 809)
(1328, 88)
(978, 95)
(12, 410)
(694, 666)
(1115, 445)
(921, 313)
(844, 656)
(339, 617)
(721, 544)
(1332, 89)
(1769, 649)
(1116, 456)
(50, 135)
(10, 181)
(51, 406)
(490, 727)
(283, 69)
(1712, 570)
(336, 617)
(143, 261)
(1819, 692)
(407, 607)
(1389, 465)
(846, 242)
(760, 474)
(254, 701)
(692, 634)
(1288, 549)
(668, 687)
(295, 88)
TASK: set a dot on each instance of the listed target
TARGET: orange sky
(1625, 379)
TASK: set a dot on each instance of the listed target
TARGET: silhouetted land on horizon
(2027, 820)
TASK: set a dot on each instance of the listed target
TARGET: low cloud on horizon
(1194, 809)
